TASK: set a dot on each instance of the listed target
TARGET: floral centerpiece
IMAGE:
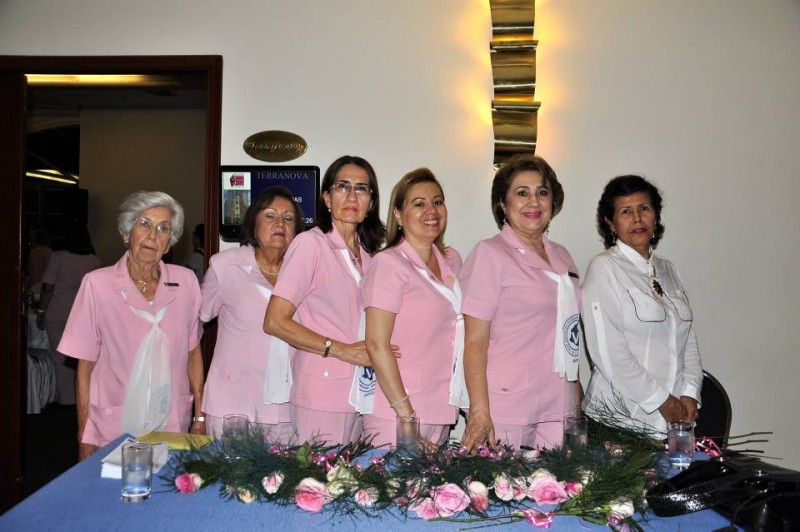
(602, 482)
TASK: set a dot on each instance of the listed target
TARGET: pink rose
(519, 488)
(311, 495)
(449, 499)
(479, 494)
(425, 508)
(366, 496)
(573, 488)
(545, 489)
(502, 487)
(188, 482)
(272, 483)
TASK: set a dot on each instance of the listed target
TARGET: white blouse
(641, 344)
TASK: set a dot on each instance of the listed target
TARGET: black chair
(715, 412)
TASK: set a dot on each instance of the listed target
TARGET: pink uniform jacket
(316, 279)
(424, 328)
(509, 288)
(103, 329)
(236, 378)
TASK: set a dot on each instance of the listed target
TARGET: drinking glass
(137, 471)
(576, 432)
(680, 444)
(234, 428)
(408, 435)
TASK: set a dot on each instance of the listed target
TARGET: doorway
(13, 96)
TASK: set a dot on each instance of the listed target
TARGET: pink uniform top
(102, 328)
(504, 282)
(236, 379)
(65, 272)
(424, 328)
(316, 279)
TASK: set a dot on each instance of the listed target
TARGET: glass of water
(576, 432)
(408, 435)
(234, 429)
(680, 444)
(137, 471)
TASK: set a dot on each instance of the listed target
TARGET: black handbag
(753, 494)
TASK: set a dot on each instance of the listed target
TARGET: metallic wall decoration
(275, 146)
(513, 55)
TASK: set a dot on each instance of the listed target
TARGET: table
(81, 500)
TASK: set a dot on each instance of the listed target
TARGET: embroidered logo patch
(367, 382)
(572, 335)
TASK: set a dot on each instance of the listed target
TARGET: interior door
(12, 377)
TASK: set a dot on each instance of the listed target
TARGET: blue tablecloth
(79, 500)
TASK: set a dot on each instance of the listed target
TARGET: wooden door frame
(12, 339)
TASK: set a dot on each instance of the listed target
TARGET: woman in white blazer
(637, 318)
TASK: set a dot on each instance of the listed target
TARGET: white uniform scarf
(566, 344)
(362, 390)
(148, 397)
(278, 376)
(458, 384)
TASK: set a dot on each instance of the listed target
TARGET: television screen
(242, 184)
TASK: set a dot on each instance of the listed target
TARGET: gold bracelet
(398, 402)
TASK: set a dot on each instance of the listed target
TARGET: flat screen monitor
(242, 184)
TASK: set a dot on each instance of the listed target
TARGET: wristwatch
(328, 344)
(199, 419)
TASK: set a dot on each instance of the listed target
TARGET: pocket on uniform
(412, 382)
(508, 382)
(681, 303)
(647, 308)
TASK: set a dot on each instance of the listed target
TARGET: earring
(127, 243)
(329, 209)
(613, 237)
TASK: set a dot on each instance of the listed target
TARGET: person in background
(413, 299)
(38, 257)
(195, 260)
(521, 302)
(316, 305)
(60, 284)
(135, 331)
(637, 318)
(250, 371)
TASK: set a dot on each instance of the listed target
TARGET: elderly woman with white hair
(135, 330)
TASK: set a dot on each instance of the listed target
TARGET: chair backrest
(715, 412)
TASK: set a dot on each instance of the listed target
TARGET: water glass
(234, 427)
(680, 444)
(576, 432)
(137, 471)
(408, 435)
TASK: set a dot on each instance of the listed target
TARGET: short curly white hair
(140, 201)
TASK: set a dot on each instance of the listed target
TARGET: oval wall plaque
(275, 146)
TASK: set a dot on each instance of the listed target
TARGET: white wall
(700, 96)
(127, 150)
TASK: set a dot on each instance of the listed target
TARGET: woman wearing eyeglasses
(316, 305)
(134, 328)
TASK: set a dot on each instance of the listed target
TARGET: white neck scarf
(566, 343)
(458, 384)
(278, 376)
(362, 390)
(148, 397)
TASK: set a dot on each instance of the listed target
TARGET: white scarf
(458, 384)
(566, 343)
(278, 376)
(148, 397)
(362, 390)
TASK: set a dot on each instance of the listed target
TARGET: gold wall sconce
(513, 55)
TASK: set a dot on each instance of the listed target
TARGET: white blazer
(642, 346)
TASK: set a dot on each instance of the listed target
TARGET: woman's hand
(85, 450)
(427, 446)
(479, 430)
(690, 405)
(197, 427)
(673, 409)
(356, 353)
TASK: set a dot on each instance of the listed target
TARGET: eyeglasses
(344, 188)
(146, 225)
